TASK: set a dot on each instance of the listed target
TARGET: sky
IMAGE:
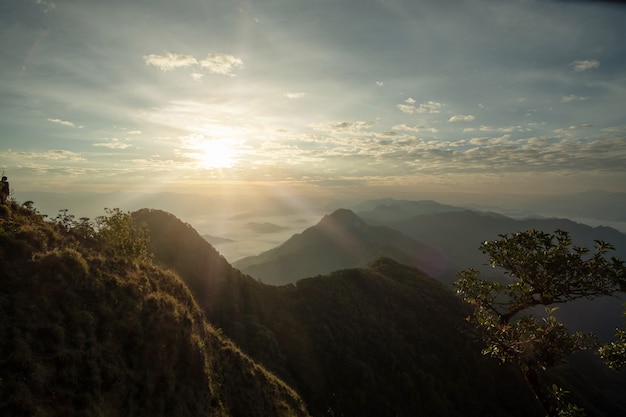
(375, 98)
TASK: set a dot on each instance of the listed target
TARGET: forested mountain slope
(386, 340)
(89, 328)
(381, 340)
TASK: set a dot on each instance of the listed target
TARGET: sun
(216, 153)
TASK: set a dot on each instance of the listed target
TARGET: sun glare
(215, 154)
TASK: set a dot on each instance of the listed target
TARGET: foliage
(84, 332)
(614, 353)
(543, 270)
(122, 235)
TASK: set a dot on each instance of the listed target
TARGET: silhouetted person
(4, 194)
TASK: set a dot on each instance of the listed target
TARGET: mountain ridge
(87, 330)
(339, 240)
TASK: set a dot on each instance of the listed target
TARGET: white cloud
(221, 64)
(197, 76)
(113, 144)
(573, 127)
(170, 60)
(585, 65)
(380, 83)
(407, 108)
(462, 118)
(294, 95)
(341, 126)
(571, 98)
(51, 155)
(430, 107)
(414, 128)
(64, 123)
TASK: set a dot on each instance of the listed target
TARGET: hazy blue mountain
(216, 240)
(459, 235)
(593, 204)
(389, 209)
(341, 240)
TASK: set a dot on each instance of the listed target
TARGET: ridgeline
(90, 328)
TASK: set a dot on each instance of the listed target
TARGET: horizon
(261, 222)
(467, 103)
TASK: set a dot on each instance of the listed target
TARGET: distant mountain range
(438, 239)
(216, 240)
(341, 240)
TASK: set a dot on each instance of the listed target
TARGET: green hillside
(90, 327)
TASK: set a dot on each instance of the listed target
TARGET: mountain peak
(342, 218)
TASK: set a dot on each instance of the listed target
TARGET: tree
(543, 270)
(123, 236)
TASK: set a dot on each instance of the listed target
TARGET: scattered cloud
(414, 128)
(585, 65)
(51, 155)
(462, 118)
(197, 76)
(571, 98)
(619, 130)
(294, 95)
(428, 107)
(113, 144)
(573, 127)
(64, 123)
(380, 83)
(341, 126)
(134, 132)
(170, 60)
(223, 64)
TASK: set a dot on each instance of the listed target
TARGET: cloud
(380, 83)
(585, 65)
(429, 107)
(341, 126)
(113, 144)
(221, 64)
(573, 127)
(51, 155)
(462, 118)
(64, 123)
(294, 95)
(571, 98)
(414, 128)
(197, 76)
(46, 5)
(170, 60)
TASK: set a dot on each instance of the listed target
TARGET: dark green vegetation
(92, 323)
(90, 327)
(342, 240)
(543, 270)
(386, 340)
